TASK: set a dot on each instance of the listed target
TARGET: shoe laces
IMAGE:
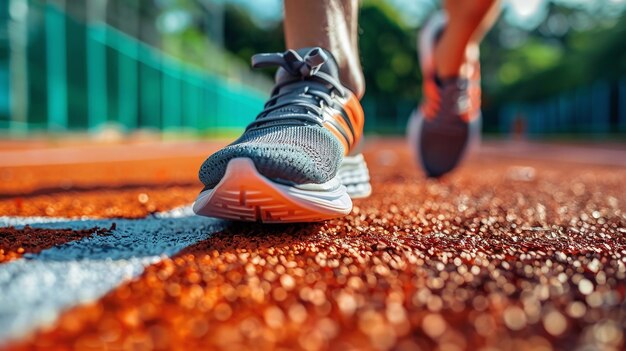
(300, 98)
(455, 99)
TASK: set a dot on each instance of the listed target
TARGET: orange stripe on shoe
(344, 125)
(431, 100)
(353, 109)
(338, 135)
(348, 135)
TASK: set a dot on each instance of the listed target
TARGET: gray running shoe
(447, 123)
(291, 164)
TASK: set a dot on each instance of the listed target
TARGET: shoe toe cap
(441, 148)
(290, 164)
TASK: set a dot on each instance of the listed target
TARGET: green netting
(4, 66)
(85, 75)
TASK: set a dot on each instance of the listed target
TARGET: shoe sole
(414, 131)
(354, 175)
(244, 194)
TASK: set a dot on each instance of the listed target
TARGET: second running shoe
(295, 162)
(447, 123)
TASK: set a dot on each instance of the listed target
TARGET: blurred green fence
(383, 117)
(599, 108)
(79, 75)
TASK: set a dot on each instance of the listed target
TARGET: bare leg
(468, 21)
(332, 25)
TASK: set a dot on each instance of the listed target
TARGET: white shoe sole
(244, 194)
(354, 174)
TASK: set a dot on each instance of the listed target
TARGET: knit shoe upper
(307, 126)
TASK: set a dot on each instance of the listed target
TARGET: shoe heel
(354, 175)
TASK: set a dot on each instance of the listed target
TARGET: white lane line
(37, 288)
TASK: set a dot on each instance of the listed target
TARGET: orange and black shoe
(447, 123)
(295, 162)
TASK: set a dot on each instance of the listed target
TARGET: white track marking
(39, 287)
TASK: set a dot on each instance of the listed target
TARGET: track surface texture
(514, 251)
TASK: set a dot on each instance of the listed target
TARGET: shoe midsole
(330, 197)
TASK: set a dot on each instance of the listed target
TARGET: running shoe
(296, 161)
(447, 123)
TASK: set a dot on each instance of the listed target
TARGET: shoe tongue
(329, 67)
(282, 75)
(294, 109)
(454, 93)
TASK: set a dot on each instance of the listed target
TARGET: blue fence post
(18, 103)
(211, 103)
(57, 67)
(371, 122)
(600, 101)
(171, 92)
(5, 83)
(127, 78)
(622, 106)
(564, 111)
(150, 63)
(580, 110)
(96, 64)
(188, 108)
(194, 100)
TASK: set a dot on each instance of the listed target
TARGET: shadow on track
(256, 236)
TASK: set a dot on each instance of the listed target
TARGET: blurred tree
(546, 65)
(388, 53)
(387, 47)
(518, 65)
(244, 37)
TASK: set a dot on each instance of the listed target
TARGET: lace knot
(292, 62)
